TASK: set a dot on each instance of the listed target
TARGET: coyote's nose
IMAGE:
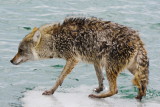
(11, 61)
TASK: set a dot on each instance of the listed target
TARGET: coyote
(104, 44)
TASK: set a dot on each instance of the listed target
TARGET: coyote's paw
(47, 92)
(98, 90)
(92, 96)
(139, 98)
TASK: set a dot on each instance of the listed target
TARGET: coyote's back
(92, 39)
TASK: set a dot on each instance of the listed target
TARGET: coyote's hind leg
(139, 68)
(112, 80)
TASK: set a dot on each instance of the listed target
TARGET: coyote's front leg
(67, 69)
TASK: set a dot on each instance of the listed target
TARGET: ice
(78, 97)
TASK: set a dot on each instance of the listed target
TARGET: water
(22, 85)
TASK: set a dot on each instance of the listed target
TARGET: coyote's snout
(18, 59)
(102, 43)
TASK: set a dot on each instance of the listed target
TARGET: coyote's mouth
(18, 61)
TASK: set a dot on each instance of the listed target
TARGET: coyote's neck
(50, 29)
(45, 48)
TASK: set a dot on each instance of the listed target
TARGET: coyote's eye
(20, 50)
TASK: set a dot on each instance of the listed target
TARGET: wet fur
(102, 43)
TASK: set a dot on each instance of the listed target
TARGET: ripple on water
(27, 28)
(155, 26)
(131, 92)
(128, 93)
(152, 93)
(57, 66)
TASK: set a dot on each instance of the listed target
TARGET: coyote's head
(26, 50)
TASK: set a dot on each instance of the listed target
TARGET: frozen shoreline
(78, 97)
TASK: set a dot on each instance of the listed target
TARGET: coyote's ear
(37, 37)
